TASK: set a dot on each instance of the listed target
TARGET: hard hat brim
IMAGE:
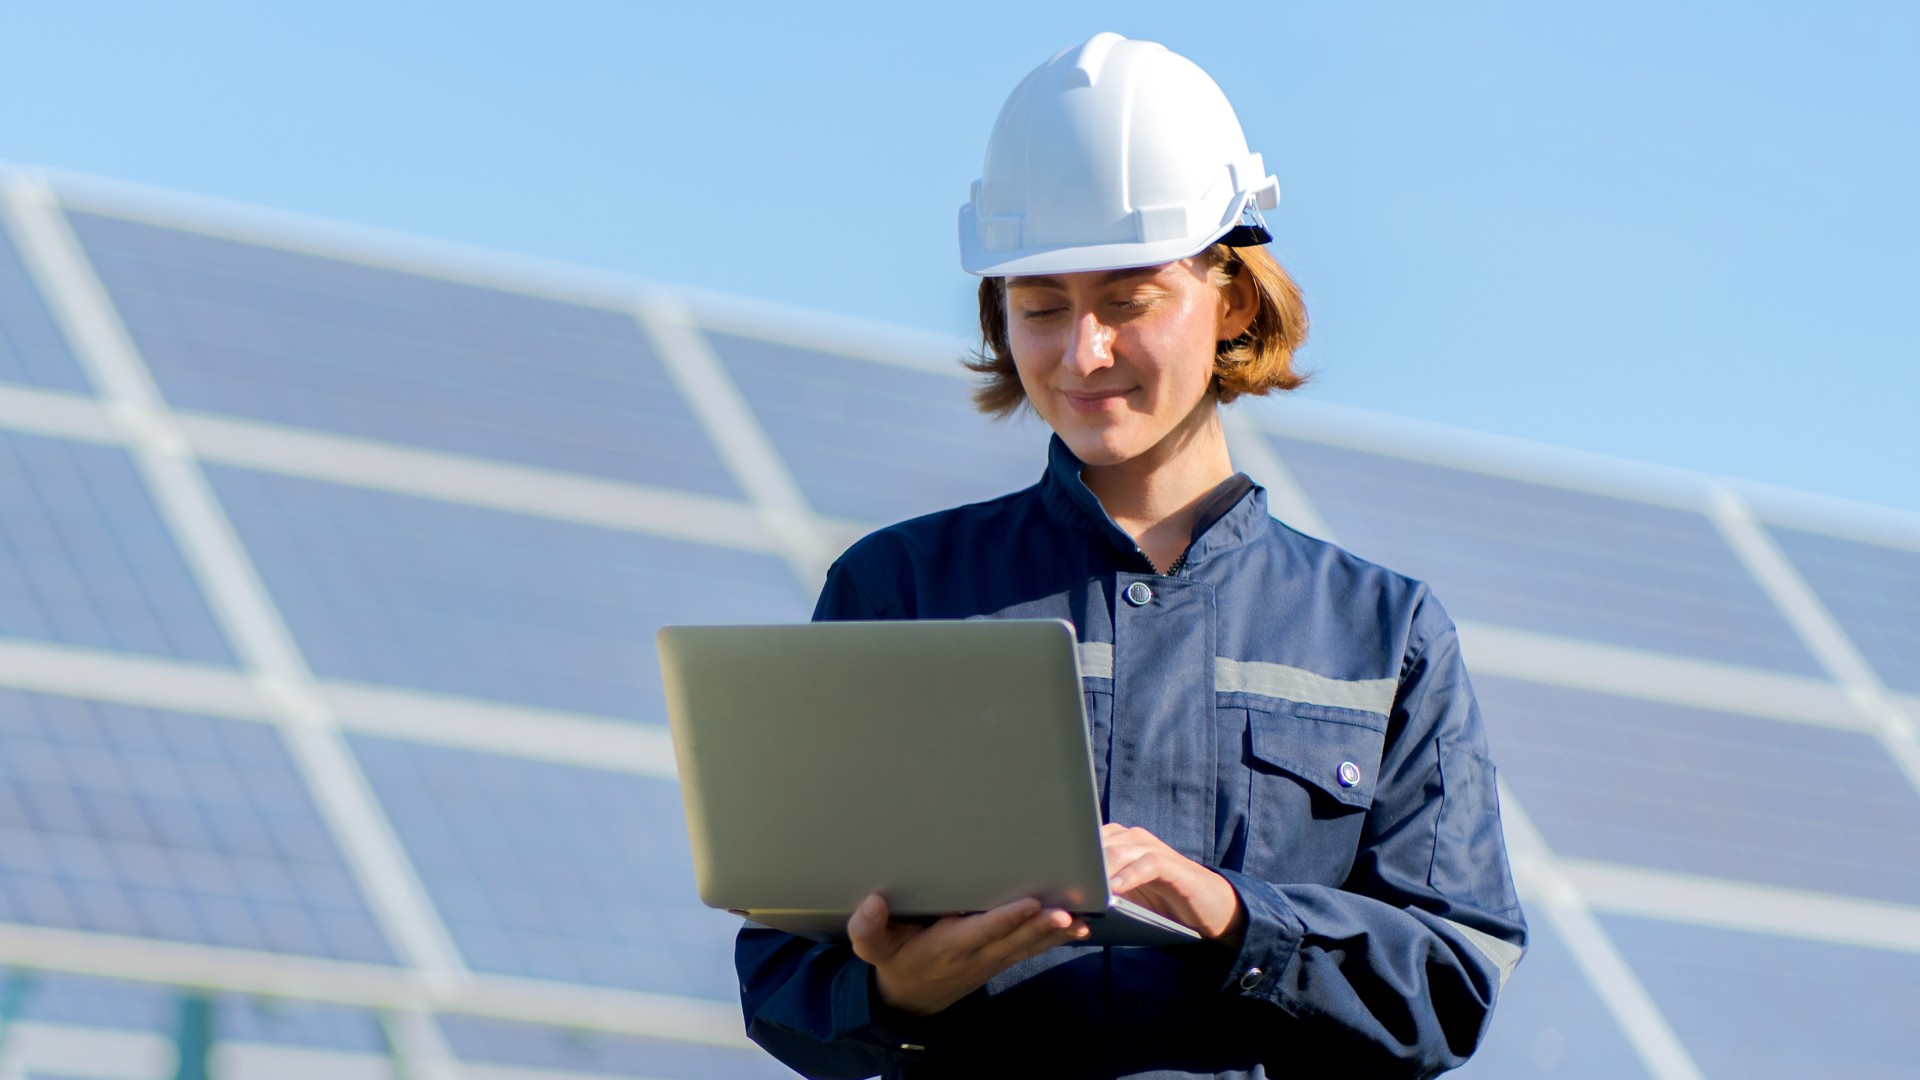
(1101, 256)
(1077, 259)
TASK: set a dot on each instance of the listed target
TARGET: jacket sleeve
(1400, 966)
(812, 1004)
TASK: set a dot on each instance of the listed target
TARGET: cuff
(859, 1014)
(1272, 939)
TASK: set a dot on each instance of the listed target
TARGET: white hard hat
(1114, 154)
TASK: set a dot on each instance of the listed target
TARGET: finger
(1144, 869)
(1120, 857)
(964, 935)
(874, 937)
(1033, 937)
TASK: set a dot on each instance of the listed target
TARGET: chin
(1107, 447)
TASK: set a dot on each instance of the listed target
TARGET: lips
(1094, 401)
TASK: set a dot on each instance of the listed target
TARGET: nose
(1089, 346)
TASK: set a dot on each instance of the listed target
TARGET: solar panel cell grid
(251, 331)
(1541, 558)
(1700, 792)
(32, 349)
(1873, 592)
(555, 872)
(148, 823)
(1759, 1007)
(86, 560)
(392, 589)
(878, 443)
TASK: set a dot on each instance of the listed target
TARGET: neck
(1155, 497)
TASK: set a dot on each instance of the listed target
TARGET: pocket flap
(1338, 757)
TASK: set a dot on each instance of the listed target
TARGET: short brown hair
(1259, 361)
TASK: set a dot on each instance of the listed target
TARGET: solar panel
(251, 331)
(556, 867)
(403, 591)
(1766, 1008)
(555, 872)
(149, 823)
(1872, 590)
(32, 351)
(1549, 559)
(86, 560)
(876, 442)
(1703, 792)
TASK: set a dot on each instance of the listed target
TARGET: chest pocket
(1312, 770)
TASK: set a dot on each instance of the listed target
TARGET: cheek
(1033, 352)
(1184, 350)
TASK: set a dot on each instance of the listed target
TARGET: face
(1118, 362)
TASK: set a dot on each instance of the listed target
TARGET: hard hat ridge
(1111, 154)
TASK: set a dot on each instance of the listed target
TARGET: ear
(1239, 305)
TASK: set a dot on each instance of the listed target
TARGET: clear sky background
(1681, 233)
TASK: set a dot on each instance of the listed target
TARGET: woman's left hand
(1143, 869)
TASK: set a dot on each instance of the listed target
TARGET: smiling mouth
(1090, 401)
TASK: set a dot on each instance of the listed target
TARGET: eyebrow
(1049, 282)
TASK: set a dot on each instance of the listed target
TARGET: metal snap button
(1349, 774)
(1251, 979)
(1139, 593)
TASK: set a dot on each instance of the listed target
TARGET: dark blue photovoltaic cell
(32, 349)
(1708, 793)
(1759, 1007)
(392, 589)
(875, 442)
(160, 824)
(555, 872)
(533, 1046)
(1872, 590)
(1550, 1023)
(252, 331)
(1547, 559)
(86, 560)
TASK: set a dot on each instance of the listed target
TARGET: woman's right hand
(920, 970)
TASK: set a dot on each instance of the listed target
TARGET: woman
(1285, 741)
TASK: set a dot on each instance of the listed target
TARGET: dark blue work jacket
(1281, 711)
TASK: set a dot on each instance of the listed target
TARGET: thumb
(873, 939)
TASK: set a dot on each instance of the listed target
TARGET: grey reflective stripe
(1504, 954)
(1296, 684)
(1096, 660)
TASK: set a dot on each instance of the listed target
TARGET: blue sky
(1685, 234)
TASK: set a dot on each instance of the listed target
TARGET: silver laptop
(944, 764)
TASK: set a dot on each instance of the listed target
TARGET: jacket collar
(1230, 515)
